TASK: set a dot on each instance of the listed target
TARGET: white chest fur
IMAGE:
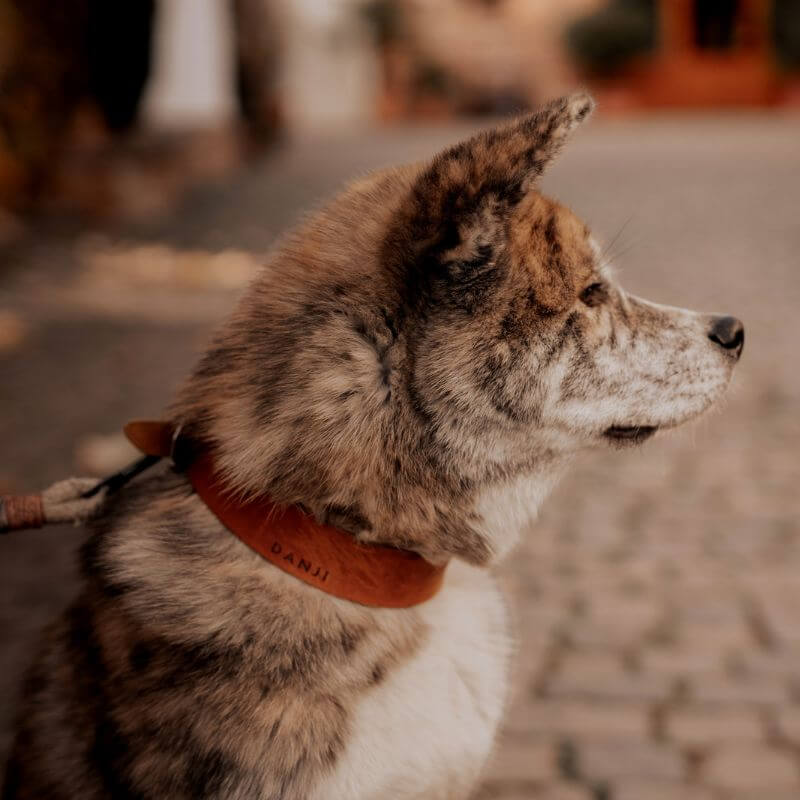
(428, 729)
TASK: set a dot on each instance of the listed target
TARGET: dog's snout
(727, 332)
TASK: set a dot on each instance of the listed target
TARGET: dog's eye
(594, 294)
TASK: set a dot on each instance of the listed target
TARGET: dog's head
(420, 358)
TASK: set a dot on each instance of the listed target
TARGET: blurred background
(152, 150)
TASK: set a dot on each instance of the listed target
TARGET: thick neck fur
(317, 393)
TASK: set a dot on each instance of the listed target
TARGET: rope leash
(74, 500)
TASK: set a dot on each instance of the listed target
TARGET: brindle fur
(415, 365)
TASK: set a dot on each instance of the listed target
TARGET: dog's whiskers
(607, 249)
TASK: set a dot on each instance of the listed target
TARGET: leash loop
(64, 501)
(78, 499)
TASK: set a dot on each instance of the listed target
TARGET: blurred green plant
(786, 30)
(604, 41)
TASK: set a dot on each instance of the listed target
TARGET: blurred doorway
(711, 53)
(715, 23)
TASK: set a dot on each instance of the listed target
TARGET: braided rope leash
(65, 501)
(77, 500)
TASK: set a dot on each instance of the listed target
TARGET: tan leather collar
(327, 558)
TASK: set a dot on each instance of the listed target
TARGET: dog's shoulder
(190, 666)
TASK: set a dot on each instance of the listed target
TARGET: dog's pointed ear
(503, 162)
(454, 220)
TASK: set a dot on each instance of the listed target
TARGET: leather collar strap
(327, 558)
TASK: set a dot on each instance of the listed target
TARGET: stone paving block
(779, 614)
(519, 760)
(750, 768)
(636, 789)
(553, 718)
(620, 623)
(703, 609)
(711, 637)
(562, 791)
(556, 790)
(681, 660)
(581, 664)
(530, 653)
(722, 690)
(610, 761)
(601, 676)
(781, 664)
(711, 725)
(538, 623)
(503, 790)
(789, 724)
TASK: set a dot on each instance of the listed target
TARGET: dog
(415, 366)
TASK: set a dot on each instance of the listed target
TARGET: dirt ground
(658, 597)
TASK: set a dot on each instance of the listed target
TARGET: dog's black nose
(727, 332)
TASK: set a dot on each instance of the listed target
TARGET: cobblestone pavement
(658, 597)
